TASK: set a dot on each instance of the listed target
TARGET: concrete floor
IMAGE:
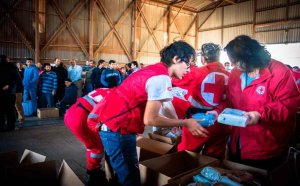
(51, 138)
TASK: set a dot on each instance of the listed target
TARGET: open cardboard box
(148, 148)
(277, 177)
(165, 139)
(47, 113)
(32, 169)
(163, 169)
(67, 177)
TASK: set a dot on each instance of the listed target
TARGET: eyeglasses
(187, 62)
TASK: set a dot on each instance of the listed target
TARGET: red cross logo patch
(260, 90)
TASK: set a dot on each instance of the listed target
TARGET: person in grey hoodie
(30, 80)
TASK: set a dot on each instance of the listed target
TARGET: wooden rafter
(104, 12)
(7, 10)
(177, 2)
(91, 29)
(119, 21)
(150, 29)
(175, 5)
(178, 13)
(69, 27)
(190, 26)
(230, 2)
(7, 14)
(64, 24)
(210, 14)
(139, 12)
(177, 26)
(154, 30)
(21, 34)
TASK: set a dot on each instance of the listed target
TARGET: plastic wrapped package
(233, 117)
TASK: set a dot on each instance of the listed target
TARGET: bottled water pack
(233, 117)
(205, 120)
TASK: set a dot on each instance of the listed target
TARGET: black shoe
(96, 177)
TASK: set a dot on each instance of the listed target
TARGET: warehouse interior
(125, 31)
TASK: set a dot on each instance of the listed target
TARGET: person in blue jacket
(111, 77)
(30, 81)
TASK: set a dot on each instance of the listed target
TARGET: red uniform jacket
(123, 108)
(275, 96)
(206, 88)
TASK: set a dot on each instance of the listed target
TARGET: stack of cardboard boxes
(32, 169)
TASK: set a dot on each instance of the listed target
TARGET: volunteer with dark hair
(266, 90)
(76, 120)
(202, 90)
(136, 102)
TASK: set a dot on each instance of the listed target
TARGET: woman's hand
(196, 129)
(215, 113)
(253, 117)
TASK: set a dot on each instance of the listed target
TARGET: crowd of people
(119, 102)
(28, 86)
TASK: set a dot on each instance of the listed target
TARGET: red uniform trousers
(214, 145)
(76, 121)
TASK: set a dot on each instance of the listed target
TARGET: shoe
(96, 177)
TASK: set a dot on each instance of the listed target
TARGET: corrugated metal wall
(273, 22)
(239, 19)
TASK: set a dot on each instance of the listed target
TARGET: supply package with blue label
(210, 176)
(233, 117)
(205, 120)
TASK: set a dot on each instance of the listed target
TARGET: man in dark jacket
(8, 82)
(62, 74)
(69, 98)
(96, 75)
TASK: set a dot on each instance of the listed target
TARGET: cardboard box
(165, 169)
(33, 170)
(165, 139)
(67, 177)
(188, 178)
(8, 159)
(148, 148)
(43, 173)
(30, 157)
(47, 113)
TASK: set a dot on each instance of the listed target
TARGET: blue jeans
(121, 150)
(47, 100)
(32, 94)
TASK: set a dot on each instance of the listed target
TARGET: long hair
(248, 52)
(182, 49)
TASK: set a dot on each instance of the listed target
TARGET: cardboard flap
(67, 177)
(154, 146)
(30, 157)
(161, 170)
(43, 173)
(8, 159)
(161, 138)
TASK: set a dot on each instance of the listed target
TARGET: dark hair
(182, 49)
(46, 64)
(210, 52)
(111, 61)
(68, 79)
(29, 59)
(135, 63)
(129, 65)
(248, 52)
(101, 61)
(3, 58)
